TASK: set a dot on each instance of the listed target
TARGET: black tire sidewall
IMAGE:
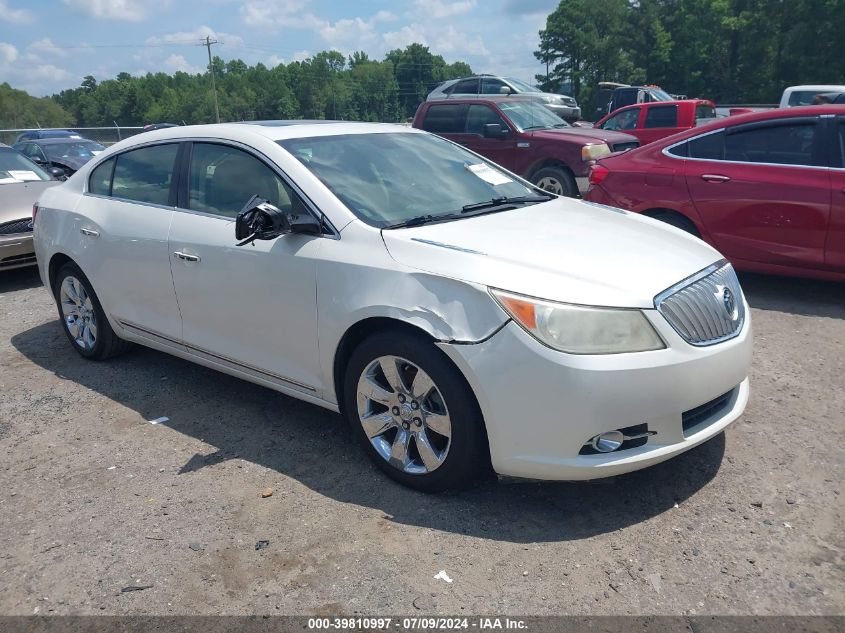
(103, 327)
(566, 181)
(464, 462)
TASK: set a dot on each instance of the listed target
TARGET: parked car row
(445, 306)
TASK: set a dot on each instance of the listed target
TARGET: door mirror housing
(36, 159)
(495, 130)
(260, 220)
(506, 90)
(57, 172)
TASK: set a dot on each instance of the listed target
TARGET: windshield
(386, 179)
(15, 167)
(660, 95)
(521, 86)
(82, 149)
(529, 115)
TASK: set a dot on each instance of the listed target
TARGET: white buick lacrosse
(456, 315)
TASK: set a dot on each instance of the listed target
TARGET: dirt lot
(94, 498)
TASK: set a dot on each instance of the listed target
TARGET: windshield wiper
(422, 219)
(504, 201)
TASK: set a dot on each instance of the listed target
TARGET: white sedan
(457, 316)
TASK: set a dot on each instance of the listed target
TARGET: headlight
(552, 99)
(579, 329)
(592, 152)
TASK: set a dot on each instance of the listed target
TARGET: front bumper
(564, 111)
(16, 251)
(541, 406)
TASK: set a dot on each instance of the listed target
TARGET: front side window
(145, 174)
(223, 179)
(790, 144)
(661, 116)
(839, 159)
(625, 120)
(480, 115)
(389, 178)
(492, 86)
(445, 119)
(709, 147)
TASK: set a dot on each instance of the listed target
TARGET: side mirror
(495, 130)
(36, 159)
(505, 90)
(57, 172)
(260, 220)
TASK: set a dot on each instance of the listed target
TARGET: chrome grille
(706, 308)
(16, 226)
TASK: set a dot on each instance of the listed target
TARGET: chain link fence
(104, 135)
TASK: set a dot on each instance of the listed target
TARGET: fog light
(607, 442)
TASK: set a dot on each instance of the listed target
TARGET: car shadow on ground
(314, 446)
(19, 279)
(806, 297)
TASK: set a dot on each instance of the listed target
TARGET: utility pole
(208, 42)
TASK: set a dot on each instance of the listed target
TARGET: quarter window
(662, 116)
(145, 174)
(445, 119)
(223, 179)
(100, 180)
(790, 144)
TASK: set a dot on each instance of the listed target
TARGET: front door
(498, 150)
(253, 307)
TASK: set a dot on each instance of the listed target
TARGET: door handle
(89, 232)
(187, 257)
(714, 178)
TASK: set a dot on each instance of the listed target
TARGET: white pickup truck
(804, 95)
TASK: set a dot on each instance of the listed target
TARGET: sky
(50, 45)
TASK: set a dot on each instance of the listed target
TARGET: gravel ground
(94, 498)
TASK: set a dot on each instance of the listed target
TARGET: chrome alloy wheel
(404, 415)
(78, 313)
(550, 184)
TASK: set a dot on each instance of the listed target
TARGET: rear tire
(83, 320)
(555, 180)
(678, 221)
(414, 413)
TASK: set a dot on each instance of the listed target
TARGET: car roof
(814, 87)
(521, 97)
(60, 140)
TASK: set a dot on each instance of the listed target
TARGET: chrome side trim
(203, 353)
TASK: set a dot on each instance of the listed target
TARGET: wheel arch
(658, 213)
(56, 262)
(548, 162)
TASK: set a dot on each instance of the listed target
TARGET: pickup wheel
(556, 181)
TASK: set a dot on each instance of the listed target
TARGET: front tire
(555, 180)
(83, 319)
(413, 412)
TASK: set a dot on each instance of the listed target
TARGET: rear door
(835, 247)
(659, 122)
(763, 190)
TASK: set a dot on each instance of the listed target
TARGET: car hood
(17, 198)
(563, 250)
(585, 135)
(74, 162)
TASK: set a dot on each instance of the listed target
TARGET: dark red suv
(523, 137)
(767, 189)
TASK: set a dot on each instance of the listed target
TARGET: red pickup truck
(523, 137)
(652, 121)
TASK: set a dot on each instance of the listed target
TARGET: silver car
(564, 106)
(21, 182)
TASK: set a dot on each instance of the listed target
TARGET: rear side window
(145, 174)
(465, 87)
(791, 144)
(840, 155)
(100, 180)
(709, 147)
(802, 97)
(445, 119)
(662, 116)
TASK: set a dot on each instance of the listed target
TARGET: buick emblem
(728, 302)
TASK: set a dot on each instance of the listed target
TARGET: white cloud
(274, 14)
(179, 63)
(27, 72)
(15, 16)
(194, 37)
(438, 9)
(301, 56)
(123, 10)
(45, 45)
(8, 53)
(440, 40)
